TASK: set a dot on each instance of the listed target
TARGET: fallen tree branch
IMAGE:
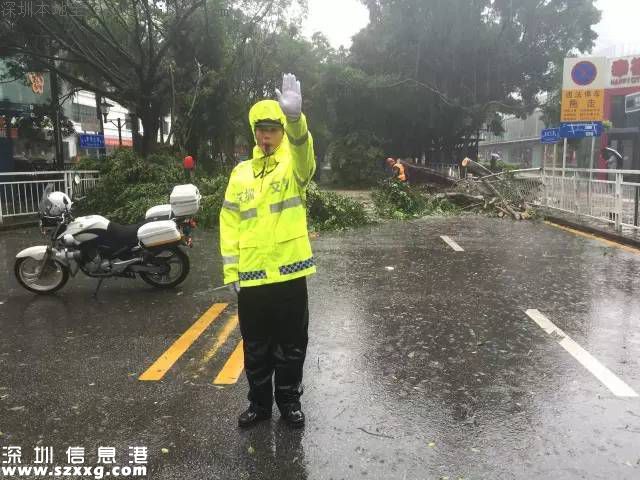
(476, 168)
(473, 205)
(504, 202)
(460, 196)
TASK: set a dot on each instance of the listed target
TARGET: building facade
(20, 98)
(519, 145)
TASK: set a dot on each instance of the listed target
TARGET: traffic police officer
(267, 255)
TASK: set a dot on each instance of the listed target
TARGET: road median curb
(614, 237)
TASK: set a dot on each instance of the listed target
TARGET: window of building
(86, 115)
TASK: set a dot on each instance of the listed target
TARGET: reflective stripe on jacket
(263, 221)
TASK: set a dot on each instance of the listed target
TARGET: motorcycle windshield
(45, 203)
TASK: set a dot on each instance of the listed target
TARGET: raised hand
(290, 98)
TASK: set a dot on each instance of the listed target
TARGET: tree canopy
(423, 74)
(440, 70)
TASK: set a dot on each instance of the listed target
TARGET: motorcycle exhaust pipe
(146, 269)
(65, 256)
(121, 266)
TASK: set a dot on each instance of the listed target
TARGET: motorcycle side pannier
(185, 200)
(154, 234)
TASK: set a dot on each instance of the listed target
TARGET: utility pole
(103, 151)
(55, 108)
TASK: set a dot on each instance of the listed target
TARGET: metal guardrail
(523, 187)
(447, 169)
(595, 193)
(606, 195)
(20, 192)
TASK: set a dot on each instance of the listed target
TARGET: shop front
(23, 148)
(624, 132)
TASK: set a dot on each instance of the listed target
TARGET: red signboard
(625, 72)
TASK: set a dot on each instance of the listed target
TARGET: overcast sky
(618, 29)
(340, 19)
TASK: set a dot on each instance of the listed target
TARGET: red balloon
(188, 163)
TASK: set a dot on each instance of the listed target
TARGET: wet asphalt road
(422, 363)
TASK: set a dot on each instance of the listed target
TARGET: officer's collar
(264, 165)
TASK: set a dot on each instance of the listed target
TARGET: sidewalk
(13, 223)
(628, 236)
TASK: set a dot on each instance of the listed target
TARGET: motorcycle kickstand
(95, 294)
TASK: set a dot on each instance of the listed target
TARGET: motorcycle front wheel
(176, 264)
(39, 278)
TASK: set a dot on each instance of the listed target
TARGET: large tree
(151, 56)
(427, 73)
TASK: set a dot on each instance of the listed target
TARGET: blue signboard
(581, 130)
(550, 135)
(91, 141)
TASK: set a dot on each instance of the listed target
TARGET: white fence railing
(20, 192)
(447, 169)
(612, 196)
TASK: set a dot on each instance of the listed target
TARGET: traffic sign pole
(564, 157)
(591, 167)
(564, 166)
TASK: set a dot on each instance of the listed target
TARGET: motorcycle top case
(185, 200)
(163, 232)
(159, 212)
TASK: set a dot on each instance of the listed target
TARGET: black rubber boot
(294, 418)
(251, 416)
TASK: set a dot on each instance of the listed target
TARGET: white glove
(290, 98)
(236, 287)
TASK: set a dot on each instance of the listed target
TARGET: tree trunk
(515, 214)
(135, 133)
(476, 168)
(150, 126)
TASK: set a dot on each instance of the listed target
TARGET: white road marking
(452, 244)
(602, 373)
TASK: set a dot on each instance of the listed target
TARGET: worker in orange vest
(398, 169)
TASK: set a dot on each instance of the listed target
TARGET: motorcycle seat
(123, 235)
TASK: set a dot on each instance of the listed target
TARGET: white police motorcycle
(101, 249)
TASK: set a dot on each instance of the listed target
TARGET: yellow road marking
(590, 236)
(226, 330)
(232, 369)
(175, 351)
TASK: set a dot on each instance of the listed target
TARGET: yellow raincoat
(263, 222)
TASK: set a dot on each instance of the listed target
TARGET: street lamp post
(105, 113)
(100, 102)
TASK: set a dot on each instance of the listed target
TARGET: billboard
(624, 72)
(582, 106)
(33, 89)
(583, 85)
